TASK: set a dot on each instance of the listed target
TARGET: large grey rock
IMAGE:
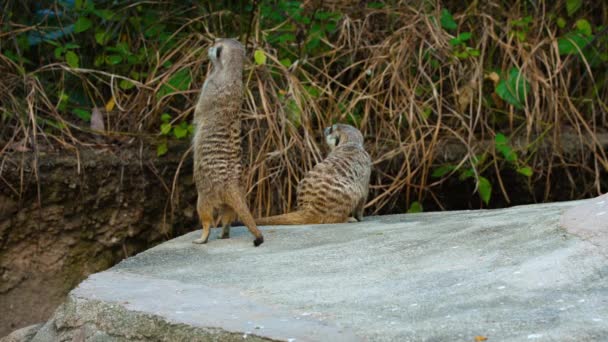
(22, 335)
(510, 275)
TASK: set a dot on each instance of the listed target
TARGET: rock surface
(509, 275)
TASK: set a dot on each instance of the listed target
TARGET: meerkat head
(341, 134)
(227, 52)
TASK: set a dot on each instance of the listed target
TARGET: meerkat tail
(295, 217)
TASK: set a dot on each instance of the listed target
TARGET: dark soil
(81, 216)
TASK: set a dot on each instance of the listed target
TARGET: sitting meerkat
(217, 143)
(337, 187)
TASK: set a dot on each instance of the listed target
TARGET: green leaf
(180, 81)
(464, 36)
(72, 59)
(426, 112)
(523, 22)
(260, 57)
(126, 84)
(82, 24)
(180, 131)
(102, 37)
(455, 41)
(104, 14)
(502, 144)
(58, 52)
(286, 62)
(571, 43)
(572, 6)
(584, 27)
(447, 20)
(473, 52)
(165, 117)
(162, 149)
(526, 171)
(500, 139)
(286, 37)
(442, 171)
(312, 91)
(561, 22)
(375, 5)
(294, 114)
(83, 114)
(468, 173)
(165, 128)
(415, 207)
(485, 189)
(113, 59)
(514, 89)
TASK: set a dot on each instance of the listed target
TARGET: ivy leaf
(113, 59)
(294, 114)
(260, 57)
(83, 114)
(442, 171)
(526, 171)
(180, 131)
(72, 59)
(102, 37)
(165, 128)
(162, 149)
(447, 20)
(464, 36)
(82, 24)
(584, 27)
(126, 84)
(468, 173)
(572, 6)
(165, 117)
(104, 14)
(501, 143)
(485, 189)
(58, 52)
(572, 43)
(180, 81)
(415, 207)
(514, 89)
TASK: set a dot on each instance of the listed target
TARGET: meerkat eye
(337, 141)
(218, 52)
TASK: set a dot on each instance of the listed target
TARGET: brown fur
(217, 143)
(337, 187)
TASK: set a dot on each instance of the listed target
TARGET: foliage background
(504, 101)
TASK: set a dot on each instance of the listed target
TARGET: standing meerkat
(217, 143)
(337, 187)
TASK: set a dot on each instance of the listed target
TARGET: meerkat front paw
(200, 241)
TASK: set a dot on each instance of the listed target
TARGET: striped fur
(337, 187)
(217, 143)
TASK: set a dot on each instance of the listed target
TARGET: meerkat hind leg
(227, 216)
(236, 199)
(205, 214)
